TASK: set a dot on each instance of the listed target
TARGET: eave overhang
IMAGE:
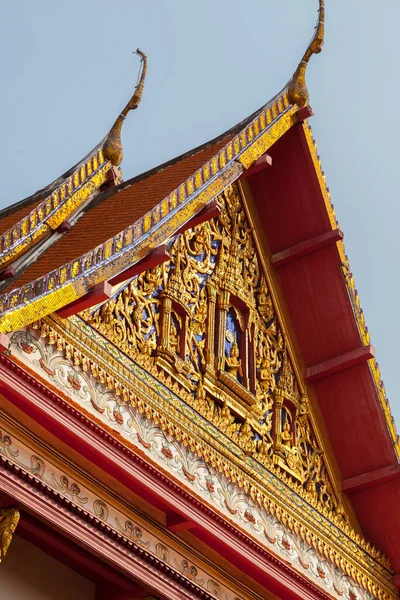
(318, 288)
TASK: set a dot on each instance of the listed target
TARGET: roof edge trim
(51, 292)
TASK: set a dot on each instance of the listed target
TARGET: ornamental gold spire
(298, 93)
(112, 147)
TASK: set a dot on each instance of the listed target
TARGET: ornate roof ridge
(297, 88)
(73, 280)
(66, 194)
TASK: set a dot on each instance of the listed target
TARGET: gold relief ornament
(297, 91)
(233, 364)
(309, 529)
(9, 518)
(177, 315)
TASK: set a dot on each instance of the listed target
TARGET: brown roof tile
(12, 218)
(115, 213)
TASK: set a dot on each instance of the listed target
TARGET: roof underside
(328, 323)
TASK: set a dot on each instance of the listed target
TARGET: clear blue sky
(67, 70)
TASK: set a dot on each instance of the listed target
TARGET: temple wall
(28, 573)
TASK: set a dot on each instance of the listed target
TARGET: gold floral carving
(9, 518)
(207, 321)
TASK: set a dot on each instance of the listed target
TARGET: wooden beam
(262, 163)
(304, 113)
(99, 293)
(308, 247)
(339, 363)
(372, 478)
(8, 272)
(111, 592)
(153, 259)
(210, 211)
(65, 226)
(176, 522)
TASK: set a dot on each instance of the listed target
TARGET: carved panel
(207, 319)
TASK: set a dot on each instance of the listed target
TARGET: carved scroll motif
(206, 319)
(9, 518)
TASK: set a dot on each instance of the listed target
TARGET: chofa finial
(112, 147)
(298, 93)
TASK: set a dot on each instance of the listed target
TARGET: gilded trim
(55, 209)
(129, 246)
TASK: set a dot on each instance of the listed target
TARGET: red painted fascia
(293, 214)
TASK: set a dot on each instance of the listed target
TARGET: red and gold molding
(267, 513)
(78, 491)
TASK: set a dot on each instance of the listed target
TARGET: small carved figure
(246, 438)
(173, 338)
(233, 362)
(287, 436)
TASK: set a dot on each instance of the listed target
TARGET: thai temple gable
(189, 393)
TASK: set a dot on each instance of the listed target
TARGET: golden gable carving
(206, 318)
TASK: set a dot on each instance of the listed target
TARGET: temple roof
(111, 230)
(115, 210)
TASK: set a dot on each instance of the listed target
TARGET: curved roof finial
(112, 147)
(298, 93)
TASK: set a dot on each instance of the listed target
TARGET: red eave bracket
(176, 522)
(99, 293)
(262, 163)
(153, 259)
(339, 363)
(308, 247)
(367, 480)
(304, 113)
(7, 273)
(207, 213)
(102, 291)
(65, 226)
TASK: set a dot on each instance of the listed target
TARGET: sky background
(67, 70)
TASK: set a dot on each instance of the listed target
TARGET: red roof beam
(339, 363)
(156, 257)
(396, 580)
(176, 522)
(8, 272)
(308, 247)
(210, 211)
(99, 293)
(264, 162)
(373, 478)
(304, 113)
